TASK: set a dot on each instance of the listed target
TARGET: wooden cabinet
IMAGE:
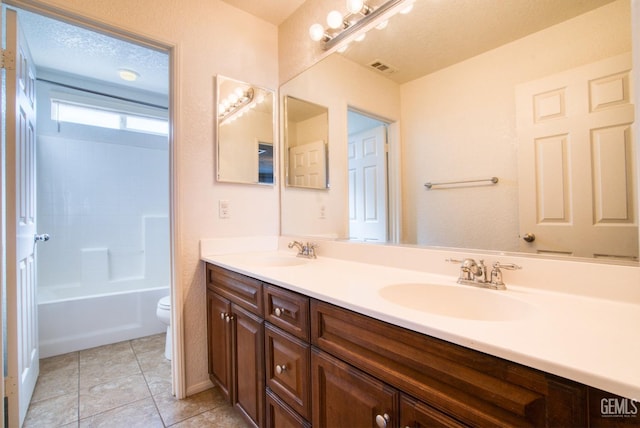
(469, 387)
(289, 361)
(236, 340)
(346, 397)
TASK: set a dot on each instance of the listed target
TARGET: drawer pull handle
(279, 312)
(382, 420)
(281, 368)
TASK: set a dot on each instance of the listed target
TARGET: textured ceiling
(56, 45)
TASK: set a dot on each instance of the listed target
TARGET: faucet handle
(311, 249)
(508, 266)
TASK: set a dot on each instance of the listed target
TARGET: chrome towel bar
(492, 180)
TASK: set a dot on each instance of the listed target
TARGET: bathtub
(68, 323)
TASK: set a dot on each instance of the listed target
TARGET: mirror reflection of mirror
(245, 132)
(306, 137)
(463, 117)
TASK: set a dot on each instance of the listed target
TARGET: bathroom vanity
(287, 355)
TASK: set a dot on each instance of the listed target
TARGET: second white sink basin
(461, 301)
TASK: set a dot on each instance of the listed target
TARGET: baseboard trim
(199, 387)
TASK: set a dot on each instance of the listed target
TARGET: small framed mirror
(245, 134)
(306, 134)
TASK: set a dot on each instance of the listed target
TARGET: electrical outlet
(224, 209)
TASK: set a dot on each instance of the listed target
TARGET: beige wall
(460, 123)
(210, 38)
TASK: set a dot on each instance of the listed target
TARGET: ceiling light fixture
(353, 26)
(128, 75)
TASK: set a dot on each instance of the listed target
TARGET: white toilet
(164, 315)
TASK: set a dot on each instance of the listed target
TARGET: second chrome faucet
(476, 273)
(307, 250)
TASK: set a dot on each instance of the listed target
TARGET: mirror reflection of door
(306, 140)
(368, 188)
(576, 162)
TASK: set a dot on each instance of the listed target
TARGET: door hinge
(8, 59)
(10, 386)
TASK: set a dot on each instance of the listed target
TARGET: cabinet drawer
(246, 292)
(287, 361)
(287, 310)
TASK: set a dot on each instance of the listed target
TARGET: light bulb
(382, 25)
(343, 48)
(355, 6)
(316, 32)
(334, 19)
(239, 92)
(233, 98)
(360, 37)
(407, 9)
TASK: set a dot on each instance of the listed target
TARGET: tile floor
(127, 384)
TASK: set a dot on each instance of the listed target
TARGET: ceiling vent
(382, 67)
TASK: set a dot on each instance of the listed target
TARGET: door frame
(173, 52)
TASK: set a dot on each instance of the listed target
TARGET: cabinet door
(249, 364)
(287, 369)
(279, 415)
(346, 397)
(219, 342)
(415, 414)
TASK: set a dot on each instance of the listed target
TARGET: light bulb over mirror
(316, 32)
(355, 6)
(335, 19)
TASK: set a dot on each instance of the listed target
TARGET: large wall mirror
(245, 132)
(536, 93)
(306, 132)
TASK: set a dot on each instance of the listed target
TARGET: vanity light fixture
(237, 103)
(353, 26)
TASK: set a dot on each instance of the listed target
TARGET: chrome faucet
(472, 273)
(307, 250)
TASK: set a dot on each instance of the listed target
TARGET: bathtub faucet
(307, 250)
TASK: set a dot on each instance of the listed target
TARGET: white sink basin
(279, 261)
(460, 301)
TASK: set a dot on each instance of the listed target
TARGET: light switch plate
(224, 208)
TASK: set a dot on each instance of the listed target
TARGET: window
(63, 111)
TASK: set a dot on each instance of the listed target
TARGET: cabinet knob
(228, 318)
(278, 311)
(222, 315)
(281, 368)
(382, 420)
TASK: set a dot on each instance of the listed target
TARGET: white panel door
(576, 167)
(308, 165)
(368, 185)
(22, 323)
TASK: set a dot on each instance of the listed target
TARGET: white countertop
(585, 339)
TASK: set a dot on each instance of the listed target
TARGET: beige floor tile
(53, 412)
(106, 363)
(147, 344)
(59, 362)
(140, 414)
(54, 384)
(106, 396)
(225, 416)
(105, 353)
(173, 410)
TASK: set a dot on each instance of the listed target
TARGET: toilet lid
(165, 302)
